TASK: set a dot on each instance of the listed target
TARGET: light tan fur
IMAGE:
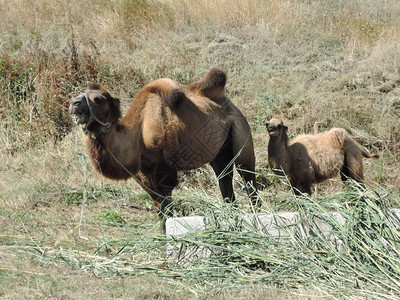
(168, 128)
(308, 159)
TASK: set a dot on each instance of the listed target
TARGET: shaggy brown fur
(309, 159)
(168, 128)
(212, 85)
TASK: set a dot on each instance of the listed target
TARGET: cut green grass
(363, 258)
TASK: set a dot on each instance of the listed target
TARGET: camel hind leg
(352, 168)
(301, 187)
(243, 151)
(352, 165)
(223, 168)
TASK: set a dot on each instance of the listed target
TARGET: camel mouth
(273, 132)
(79, 112)
(80, 119)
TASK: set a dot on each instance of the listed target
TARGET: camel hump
(168, 90)
(212, 85)
(337, 137)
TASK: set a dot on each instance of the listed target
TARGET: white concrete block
(397, 212)
(182, 226)
(282, 225)
(279, 226)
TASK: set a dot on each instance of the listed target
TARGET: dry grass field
(68, 233)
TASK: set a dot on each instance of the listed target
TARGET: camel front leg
(159, 183)
(144, 180)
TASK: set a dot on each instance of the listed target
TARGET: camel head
(95, 108)
(276, 127)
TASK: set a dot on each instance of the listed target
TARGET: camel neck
(278, 153)
(95, 130)
(113, 154)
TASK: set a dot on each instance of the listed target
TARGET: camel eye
(99, 99)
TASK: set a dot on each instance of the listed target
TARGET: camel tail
(369, 155)
(212, 85)
(365, 153)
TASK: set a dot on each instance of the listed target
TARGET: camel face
(275, 127)
(94, 105)
(79, 109)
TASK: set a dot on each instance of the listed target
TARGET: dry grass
(332, 62)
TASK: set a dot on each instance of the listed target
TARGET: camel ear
(115, 110)
(115, 102)
(99, 99)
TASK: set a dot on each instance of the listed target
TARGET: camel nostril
(77, 101)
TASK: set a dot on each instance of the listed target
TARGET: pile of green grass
(358, 258)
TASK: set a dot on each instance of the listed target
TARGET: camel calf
(309, 159)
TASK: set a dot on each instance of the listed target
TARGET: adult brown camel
(309, 159)
(168, 128)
